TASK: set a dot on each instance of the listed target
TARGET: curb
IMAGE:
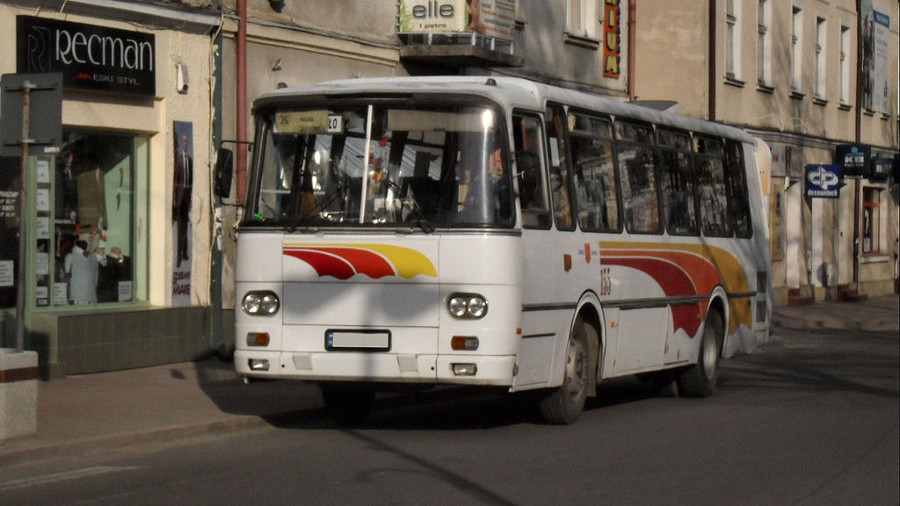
(88, 446)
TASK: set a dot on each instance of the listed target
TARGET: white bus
(495, 232)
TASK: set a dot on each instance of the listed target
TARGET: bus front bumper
(462, 369)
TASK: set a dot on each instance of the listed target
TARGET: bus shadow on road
(461, 408)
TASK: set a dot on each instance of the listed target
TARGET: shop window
(95, 216)
(871, 221)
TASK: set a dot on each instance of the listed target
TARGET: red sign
(611, 39)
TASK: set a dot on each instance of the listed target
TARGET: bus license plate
(372, 340)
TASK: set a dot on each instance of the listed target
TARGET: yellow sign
(301, 122)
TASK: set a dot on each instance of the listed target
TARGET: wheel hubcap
(576, 368)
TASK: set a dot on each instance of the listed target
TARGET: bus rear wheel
(563, 405)
(699, 380)
(347, 404)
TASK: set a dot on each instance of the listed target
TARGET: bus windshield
(387, 164)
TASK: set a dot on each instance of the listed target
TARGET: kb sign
(823, 181)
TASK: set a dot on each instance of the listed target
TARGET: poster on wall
(182, 189)
(9, 229)
(875, 33)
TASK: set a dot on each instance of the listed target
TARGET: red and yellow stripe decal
(344, 261)
(686, 270)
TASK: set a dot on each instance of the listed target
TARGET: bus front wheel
(563, 405)
(699, 380)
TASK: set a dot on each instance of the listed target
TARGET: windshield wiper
(294, 223)
(414, 210)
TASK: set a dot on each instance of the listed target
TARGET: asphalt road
(814, 419)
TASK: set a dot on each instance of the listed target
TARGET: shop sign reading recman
(90, 57)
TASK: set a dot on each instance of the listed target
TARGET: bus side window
(637, 175)
(715, 218)
(677, 182)
(559, 170)
(529, 144)
(738, 193)
(595, 178)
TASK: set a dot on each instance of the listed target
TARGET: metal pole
(23, 208)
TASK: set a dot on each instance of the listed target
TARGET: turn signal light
(257, 339)
(465, 343)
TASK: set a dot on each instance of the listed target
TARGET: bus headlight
(467, 305)
(264, 303)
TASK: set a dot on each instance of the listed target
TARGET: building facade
(131, 255)
(816, 80)
(118, 215)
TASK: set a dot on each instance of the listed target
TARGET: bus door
(540, 293)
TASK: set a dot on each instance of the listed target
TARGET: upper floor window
(844, 66)
(796, 45)
(821, 45)
(582, 17)
(732, 39)
(763, 46)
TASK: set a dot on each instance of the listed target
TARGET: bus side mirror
(224, 172)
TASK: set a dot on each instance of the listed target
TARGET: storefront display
(93, 219)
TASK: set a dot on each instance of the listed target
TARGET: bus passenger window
(559, 171)
(529, 145)
(738, 193)
(715, 219)
(595, 180)
(637, 175)
(677, 182)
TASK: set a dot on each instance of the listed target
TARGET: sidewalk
(98, 412)
(875, 314)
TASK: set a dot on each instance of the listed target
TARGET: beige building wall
(799, 94)
(671, 54)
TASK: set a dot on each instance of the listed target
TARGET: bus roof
(510, 92)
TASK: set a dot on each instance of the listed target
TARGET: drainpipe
(632, 8)
(711, 61)
(857, 140)
(241, 99)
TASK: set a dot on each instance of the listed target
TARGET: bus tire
(699, 380)
(563, 404)
(347, 404)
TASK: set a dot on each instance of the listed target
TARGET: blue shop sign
(823, 181)
(854, 159)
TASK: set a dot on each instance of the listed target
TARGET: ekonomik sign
(89, 57)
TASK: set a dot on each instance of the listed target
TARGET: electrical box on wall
(181, 78)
